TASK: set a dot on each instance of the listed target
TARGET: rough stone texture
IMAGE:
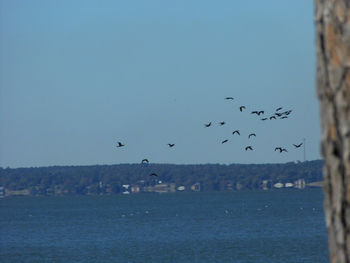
(332, 19)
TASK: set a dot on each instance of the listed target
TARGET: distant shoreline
(158, 164)
(167, 178)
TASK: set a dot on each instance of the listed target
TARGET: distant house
(278, 185)
(161, 188)
(239, 186)
(300, 184)
(264, 184)
(16, 192)
(229, 186)
(316, 184)
(181, 188)
(109, 189)
(196, 187)
(135, 188)
(126, 189)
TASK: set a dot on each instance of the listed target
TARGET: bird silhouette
(241, 108)
(120, 144)
(222, 123)
(208, 124)
(298, 145)
(153, 174)
(272, 117)
(171, 144)
(278, 114)
(264, 119)
(145, 161)
(284, 117)
(224, 141)
(284, 150)
(228, 98)
(278, 109)
(236, 131)
(249, 148)
(278, 148)
(252, 134)
(258, 112)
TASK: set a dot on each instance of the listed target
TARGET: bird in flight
(252, 134)
(298, 145)
(153, 174)
(120, 144)
(249, 148)
(236, 131)
(145, 161)
(228, 98)
(284, 117)
(278, 109)
(222, 123)
(258, 112)
(272, 117)
(171, 144)
(241, 108)
(208, 124)
(264, 119)
(278, 148)
(281, 149)
(224, 141)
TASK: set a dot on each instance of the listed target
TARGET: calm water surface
(259, 226)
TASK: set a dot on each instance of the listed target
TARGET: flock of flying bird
(279, 114)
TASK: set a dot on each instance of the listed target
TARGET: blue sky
(78, 76)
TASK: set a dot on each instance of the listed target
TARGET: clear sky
(78, 76)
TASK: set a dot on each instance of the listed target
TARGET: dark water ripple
(262, 226)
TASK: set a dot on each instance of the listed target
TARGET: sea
(282, 225)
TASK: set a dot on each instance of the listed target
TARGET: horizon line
(175, 164)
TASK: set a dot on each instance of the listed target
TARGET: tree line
(99, 179)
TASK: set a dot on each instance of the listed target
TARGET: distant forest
(101, 179)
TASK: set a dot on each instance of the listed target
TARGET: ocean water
(259, 226)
